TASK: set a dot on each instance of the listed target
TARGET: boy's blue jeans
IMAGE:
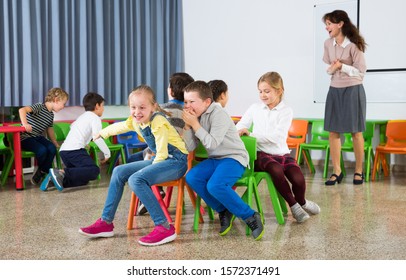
(213, 179)
(141, 175)
(44, 150)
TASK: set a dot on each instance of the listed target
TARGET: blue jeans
(213, 179)
(141, 175)
(43, 149)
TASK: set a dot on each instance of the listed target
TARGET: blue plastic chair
(130, 141)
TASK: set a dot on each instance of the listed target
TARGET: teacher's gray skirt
(345, 109)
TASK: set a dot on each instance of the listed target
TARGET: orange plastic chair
(297, 135)
(181, 184)
(395, 144)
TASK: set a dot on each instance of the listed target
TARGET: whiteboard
(383, 26)
(321, 78)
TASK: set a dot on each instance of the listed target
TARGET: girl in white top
(271, 120)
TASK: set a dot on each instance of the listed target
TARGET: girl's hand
(97, 136)
(243, 131)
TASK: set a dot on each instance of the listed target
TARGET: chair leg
(199, 212)
(192, 197)
(367, 163)
(309, 161)
(385, 165)
(282, 203)
(6, 168)
(274, 195)
(155, 190)
(131, 212)
(375, 166)
(168, 196)
(326, 162)
(197, 215)
(342, 164)
(179, 207)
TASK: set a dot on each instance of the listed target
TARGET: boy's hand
(190, 119)
(103, 161)
(27, 127)
(97, 136)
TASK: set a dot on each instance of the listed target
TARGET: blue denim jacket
(150, 140)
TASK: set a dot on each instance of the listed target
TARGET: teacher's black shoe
(358, 181)
(338, 179)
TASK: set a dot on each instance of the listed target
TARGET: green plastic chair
(61, 130)
(247, 180)
(115, 149)
(319, 141)
(278, 202)
(348, 146)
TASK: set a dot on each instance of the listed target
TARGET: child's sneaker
(57, 178)
(311, 207)
(46, 183)
(142, 209)
(160, 235)
(299, 213)
(99, 229)
(37, 177)
(226, 221)
(255, 223)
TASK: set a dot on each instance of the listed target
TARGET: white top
(270, 126)
(82, 131)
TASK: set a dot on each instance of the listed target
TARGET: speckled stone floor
(356, 223)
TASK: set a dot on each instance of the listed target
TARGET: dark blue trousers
(79, 168)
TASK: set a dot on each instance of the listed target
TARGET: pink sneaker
(99, 229)
(160, 235)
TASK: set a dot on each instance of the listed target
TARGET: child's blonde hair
(56, 93)
(274, 80)
(147, 90)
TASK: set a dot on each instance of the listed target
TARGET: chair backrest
(297, 132)
(250, 144)
(319, 135)
(3, 145)
(109, 140)
(251, 147)
(368, 136)
(200, 151)
(129, 138)
(396, 134)
(61, 130)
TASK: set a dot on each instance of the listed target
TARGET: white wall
(238, 40)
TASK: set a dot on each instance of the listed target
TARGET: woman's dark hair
(349, 29)
(217, 87)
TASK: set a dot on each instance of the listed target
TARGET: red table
(17, 152)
